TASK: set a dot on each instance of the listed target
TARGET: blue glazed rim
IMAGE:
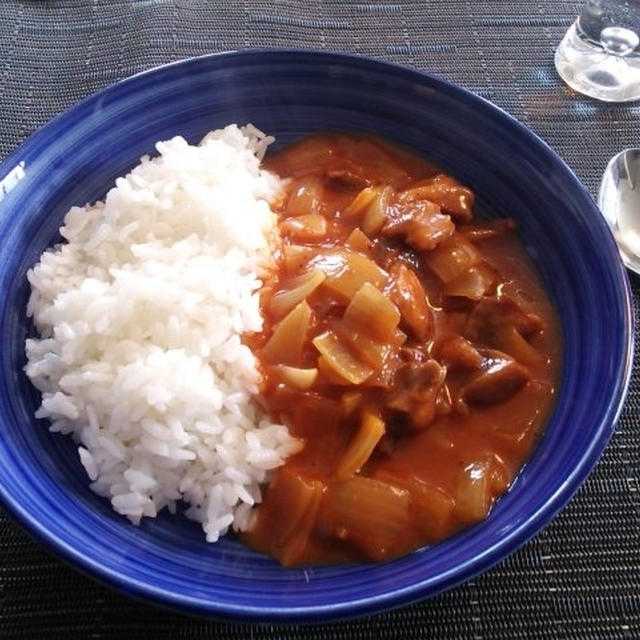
(461, 572)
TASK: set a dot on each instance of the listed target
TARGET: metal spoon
(619, 201)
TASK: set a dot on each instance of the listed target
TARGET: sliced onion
(285, 344)
(305, 228)
(298, 290)
(305, 197)
(340, 359)
(347, 271)
(376, 213)
(371, 312)
(451, 257)
(372, 514)
(294, 376)
(357, 207)
(295, 257)
(361, 447)
(358, 241)
(473, 283)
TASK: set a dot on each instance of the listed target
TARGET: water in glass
(600, 53)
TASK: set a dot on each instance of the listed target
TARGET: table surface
(580, 577)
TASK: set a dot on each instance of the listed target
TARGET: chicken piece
(499, 378)
(456, 352)
(413, 354)
(421, 224)
(348, 178)
(415, 391)
(452, 197)
(410, 298)
(499, 311)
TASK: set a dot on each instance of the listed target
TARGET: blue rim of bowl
(419, 590)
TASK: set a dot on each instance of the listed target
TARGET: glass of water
(600, 54)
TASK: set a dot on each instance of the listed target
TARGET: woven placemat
(580, 578)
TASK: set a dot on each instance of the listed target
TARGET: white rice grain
(140, 316)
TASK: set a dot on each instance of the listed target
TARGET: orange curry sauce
(411, 348)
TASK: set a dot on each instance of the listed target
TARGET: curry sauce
(410, 348)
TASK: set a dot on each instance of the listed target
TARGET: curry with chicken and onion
(410, 347)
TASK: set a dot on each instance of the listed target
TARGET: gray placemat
(580, 578)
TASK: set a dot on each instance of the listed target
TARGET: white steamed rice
(140, 315)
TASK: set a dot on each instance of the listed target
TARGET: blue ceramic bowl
(76, 158)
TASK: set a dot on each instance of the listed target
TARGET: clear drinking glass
(600, 54)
